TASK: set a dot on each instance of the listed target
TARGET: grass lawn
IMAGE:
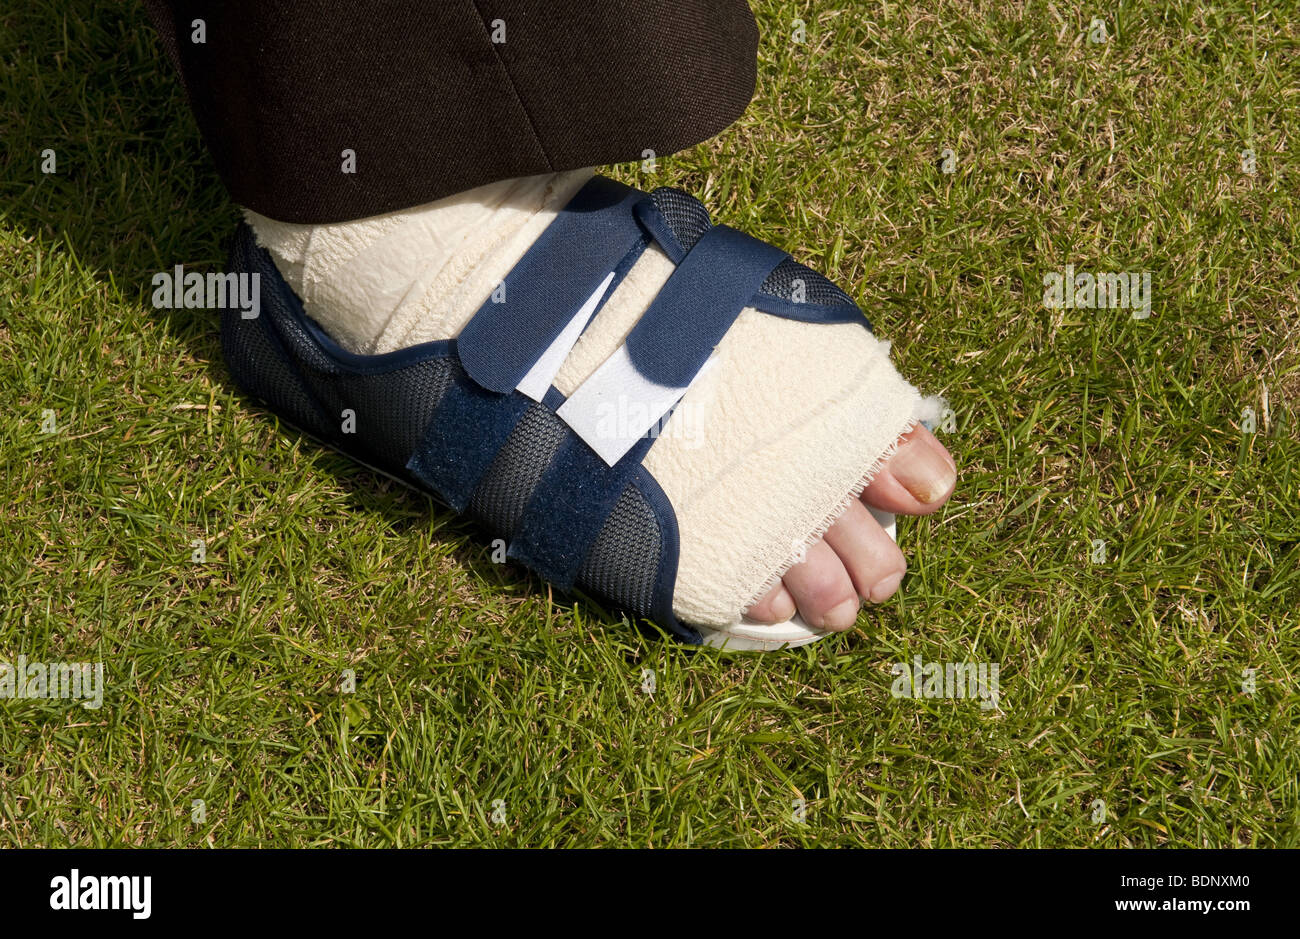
(1120, 545)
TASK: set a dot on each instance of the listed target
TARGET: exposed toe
(823, 589)
(776, 607)
(872, 559)
(917, 479)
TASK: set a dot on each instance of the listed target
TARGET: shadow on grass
(134, 192)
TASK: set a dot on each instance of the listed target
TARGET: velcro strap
(540, 296)
(715, 281)
(792, 290)
(462, 438)
(569, 507)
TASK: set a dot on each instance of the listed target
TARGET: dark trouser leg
(430, 105)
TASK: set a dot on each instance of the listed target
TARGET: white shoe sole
(751, 636)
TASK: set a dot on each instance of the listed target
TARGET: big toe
(917, 479)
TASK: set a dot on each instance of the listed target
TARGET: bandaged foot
(782, 460)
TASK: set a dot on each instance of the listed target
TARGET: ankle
(389, 281)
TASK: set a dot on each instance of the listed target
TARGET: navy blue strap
(826, 310)
(569, 507)
(467, 429)
(551, 282)
(661, 230)
(713, 283)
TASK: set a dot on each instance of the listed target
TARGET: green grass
(1120, 681)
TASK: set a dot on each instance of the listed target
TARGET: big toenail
(924, 474)
(885, 589)
(844, 615)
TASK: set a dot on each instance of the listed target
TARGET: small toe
(776, 607)
(874, 562)
(823, 589)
